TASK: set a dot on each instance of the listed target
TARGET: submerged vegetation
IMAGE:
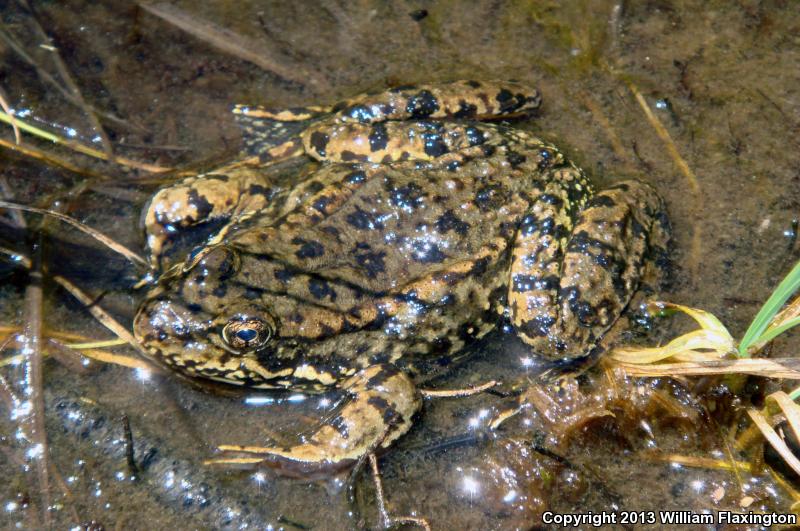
(712, 350)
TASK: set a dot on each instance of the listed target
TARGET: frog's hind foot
(272, 135)
(382, 402)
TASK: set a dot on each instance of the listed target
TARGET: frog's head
(201, 324)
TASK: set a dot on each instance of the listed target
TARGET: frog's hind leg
(570, 284)
(382, 402)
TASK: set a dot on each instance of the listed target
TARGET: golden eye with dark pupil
(243, 334)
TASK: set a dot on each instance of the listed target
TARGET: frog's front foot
(381, 402)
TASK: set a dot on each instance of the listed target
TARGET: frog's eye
(247, 333)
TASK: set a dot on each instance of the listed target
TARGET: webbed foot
(382, 402)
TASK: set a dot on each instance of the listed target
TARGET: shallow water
(721, 77)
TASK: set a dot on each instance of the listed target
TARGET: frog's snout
(166, 328)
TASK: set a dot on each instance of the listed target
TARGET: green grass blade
(772, 333)
(762, 319)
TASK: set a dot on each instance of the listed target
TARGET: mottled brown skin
(423, 228)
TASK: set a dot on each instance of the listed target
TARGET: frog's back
(381, 228)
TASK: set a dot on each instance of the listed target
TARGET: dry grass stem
(98, 313)
(102, 238)
(7, 108)
(789, 409)
(600, 117)
(47, 158)
(769, 368)
(697, 462)
(665, 137)
(81, 148)
(774, 439)
(6, 331)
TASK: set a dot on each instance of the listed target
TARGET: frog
(425, 222)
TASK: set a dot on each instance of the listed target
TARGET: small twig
(129, 455)
(386, 520)
(35, 389)
(102, 238)
(457, 393)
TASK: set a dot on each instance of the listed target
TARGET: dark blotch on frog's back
(409, 196)
(427, 253)
(371, 262)
(490, 197)
(514, 158)
(475, 136)
(450, 222)
(435, 146)
(284, 275)
(390, 415)
(378, 137)
(363, 220)
(320, 289)
(356, 177)
(510, 102)
(200, 204)
(321, 204)
(551, 200)
(465, 110)
(319, 141)
(361, 113)
(422, 104)
(349, 156)
(308, 249)
(525, 283)
(538, 326)
(602, 200)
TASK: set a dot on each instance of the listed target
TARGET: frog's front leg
(569, 284)
(380, 404)
(201, 199)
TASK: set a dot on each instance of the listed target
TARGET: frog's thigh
(200, 199)
(386, 142)
(382, 401)
(536, 260)
(600, 270)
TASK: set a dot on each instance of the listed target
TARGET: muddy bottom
(719, 77)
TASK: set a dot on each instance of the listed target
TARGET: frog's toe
(382, 402)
